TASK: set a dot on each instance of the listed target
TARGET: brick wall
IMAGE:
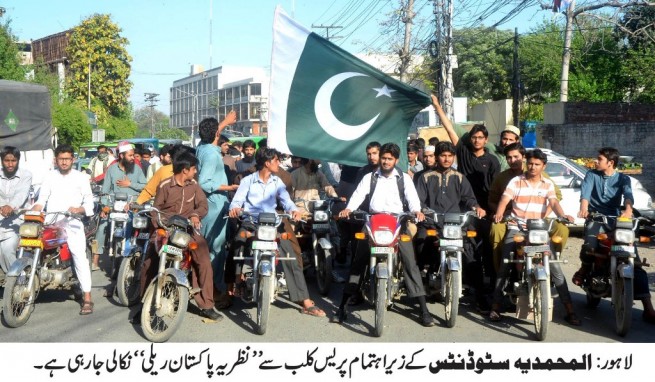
(584, 139)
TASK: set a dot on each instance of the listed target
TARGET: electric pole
(443, 11)
(327, 30)
(516, 80)
(151, 98)
(566, 56)
(405, 56)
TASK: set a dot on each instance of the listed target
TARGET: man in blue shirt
(261, 192)
(602, 190)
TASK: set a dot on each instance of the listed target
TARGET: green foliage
(484, 63)
(540, 62)
(71, 123)
(146, 117)
(97, 42)
(10, 68)
(116, 128)
(43, 76)
(172, 133)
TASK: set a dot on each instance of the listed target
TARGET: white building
(213, 93)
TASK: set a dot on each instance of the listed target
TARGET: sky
(168, 36)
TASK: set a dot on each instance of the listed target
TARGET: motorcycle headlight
(119, 205)
(538, 237)
(140, 222)
(452, 232)
(383, 237)
(319, 204)
(625, 236)
(28, 230)
(180, 239)
(266, 233)
(320, 216)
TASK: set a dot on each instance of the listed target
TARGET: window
(561, 175)
(256, 89)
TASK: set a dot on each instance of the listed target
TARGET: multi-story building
(213, 93)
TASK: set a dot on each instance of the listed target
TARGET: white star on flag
(383, 91)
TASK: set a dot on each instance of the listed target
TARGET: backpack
(401, 189)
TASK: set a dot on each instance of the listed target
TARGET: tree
(121, 127)
(636, 33)
(96, 44)
(10, 61)
(146, 118)
(71, 123)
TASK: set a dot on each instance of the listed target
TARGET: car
(568, 176)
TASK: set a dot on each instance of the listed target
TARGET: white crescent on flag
(326, 118)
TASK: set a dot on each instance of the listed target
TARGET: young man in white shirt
(67, 190)
(386, 198)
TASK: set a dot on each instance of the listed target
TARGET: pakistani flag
(327, 104)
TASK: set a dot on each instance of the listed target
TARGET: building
(213, 93)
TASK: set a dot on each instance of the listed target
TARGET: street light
(194, 111)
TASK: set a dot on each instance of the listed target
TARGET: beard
(386, 172)
(127, 165)
(9, 174)
(313, 167)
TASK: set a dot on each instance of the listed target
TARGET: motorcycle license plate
(536, 248)
(118, 216)
(31, 243)
(264, 245)
(451, 243)
(173, 250)
(382, 250)
(143, 235)
(320, 226)
(619, 248)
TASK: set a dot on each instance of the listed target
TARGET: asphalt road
(56, 319)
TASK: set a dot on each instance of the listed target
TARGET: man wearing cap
(122, 176)
(429, 162)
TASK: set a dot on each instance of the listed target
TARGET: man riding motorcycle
(15, 186)
(387, 198)
(66, 189)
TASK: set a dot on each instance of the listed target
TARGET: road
(56, 319)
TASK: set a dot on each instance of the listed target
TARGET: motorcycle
(532, 257)
(450, 235)
(385, 274)
(261, 284)
(43, 262)
(167, 296)
(127, 281)
(119, 221)
(612, 271)
(317, 232)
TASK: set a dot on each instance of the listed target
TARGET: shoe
(94, 268)
(356, 299)
(427, 320)
(340, 316)
(648, 318)
(136, 319)
(494, 316)
(336, 277)
(212, 314)
(572, 319)
(87, 308)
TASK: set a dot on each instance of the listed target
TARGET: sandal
(313, 311)
(494, 316)
(87, 308)
(572, 319)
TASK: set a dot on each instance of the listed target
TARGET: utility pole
(88, 93)
(151, 98)
(516, 80)
(443, 11)
(327, 30)
(404, 53)
(566, 56)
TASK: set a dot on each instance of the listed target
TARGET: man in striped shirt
(532, 197)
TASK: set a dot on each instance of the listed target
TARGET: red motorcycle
(43, 262)
(385, 274)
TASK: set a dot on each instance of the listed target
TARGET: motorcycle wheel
(263, 302)
(116, 261)
(380, 305)
(324, 270)
(623, 306)
(592, 302)
(127, 284)
(540, 303)
(159, 325)
(16, 310)
(451, 299)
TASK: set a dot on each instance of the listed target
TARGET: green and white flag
(327, 104)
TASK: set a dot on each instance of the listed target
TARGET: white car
(568, 175)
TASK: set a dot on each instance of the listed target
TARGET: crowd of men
(219, 180)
